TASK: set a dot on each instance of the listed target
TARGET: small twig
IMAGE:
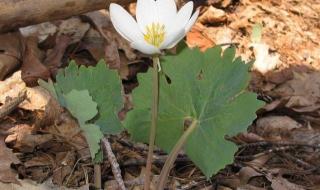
(233, 44)
(266, 143)
(86, 177)
(298, 161)
(114, 163)
(138, 147)
(191, 185)
(97, 176)
(158, 160)
(269, 151)
(74, 167)
(12, 104)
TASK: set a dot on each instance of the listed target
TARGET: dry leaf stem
(153, 129)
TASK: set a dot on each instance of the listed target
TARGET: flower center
(155, 34)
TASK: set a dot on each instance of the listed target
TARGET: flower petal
(146, 13)
(173, 38)
(183, 24)
(167, 12)
(145, 48)
(192, 20)
(182, 17)
(124, 23)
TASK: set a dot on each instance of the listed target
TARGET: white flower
(158, 26)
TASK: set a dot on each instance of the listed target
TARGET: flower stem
(153, 129)
(173, 155)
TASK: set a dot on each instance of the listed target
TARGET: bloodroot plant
(197, 97)
(158, 26)
(203, 96)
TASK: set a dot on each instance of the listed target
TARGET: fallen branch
(281, 143)
(114, 163)
(20, 13)
(266, 152)
(158, 160)
(12, 104)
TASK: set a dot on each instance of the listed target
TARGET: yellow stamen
(155, 33)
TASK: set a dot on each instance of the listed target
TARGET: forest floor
(41, 147)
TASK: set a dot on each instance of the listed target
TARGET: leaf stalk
(173, 155)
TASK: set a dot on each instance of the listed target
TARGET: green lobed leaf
(93, 135)
(81, 105)
(94, 94)
(207, 87)
(103, 85)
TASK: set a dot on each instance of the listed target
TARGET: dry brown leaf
(302, 93)
(276, 127)
(52, 150)
(212, 16)
(41, 31)
(103, 24)
(246, 173)
(68, 131)
(7, 175)
(220, 3)
(279, 76)
(279, 183)
(74, 28)
(10, 53)
(111, 52)
(305, 136)
(197, 37)
(64, 163)
(94, 43)
(23, 184)
(249, 187)
(31, 185)
(22, 138)
(244, 138)
(273, 105)
(40, 160)
(259, 162)
(230, 181)
(32, 68)
(54, 56)
(113, 42)
(50, 115)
